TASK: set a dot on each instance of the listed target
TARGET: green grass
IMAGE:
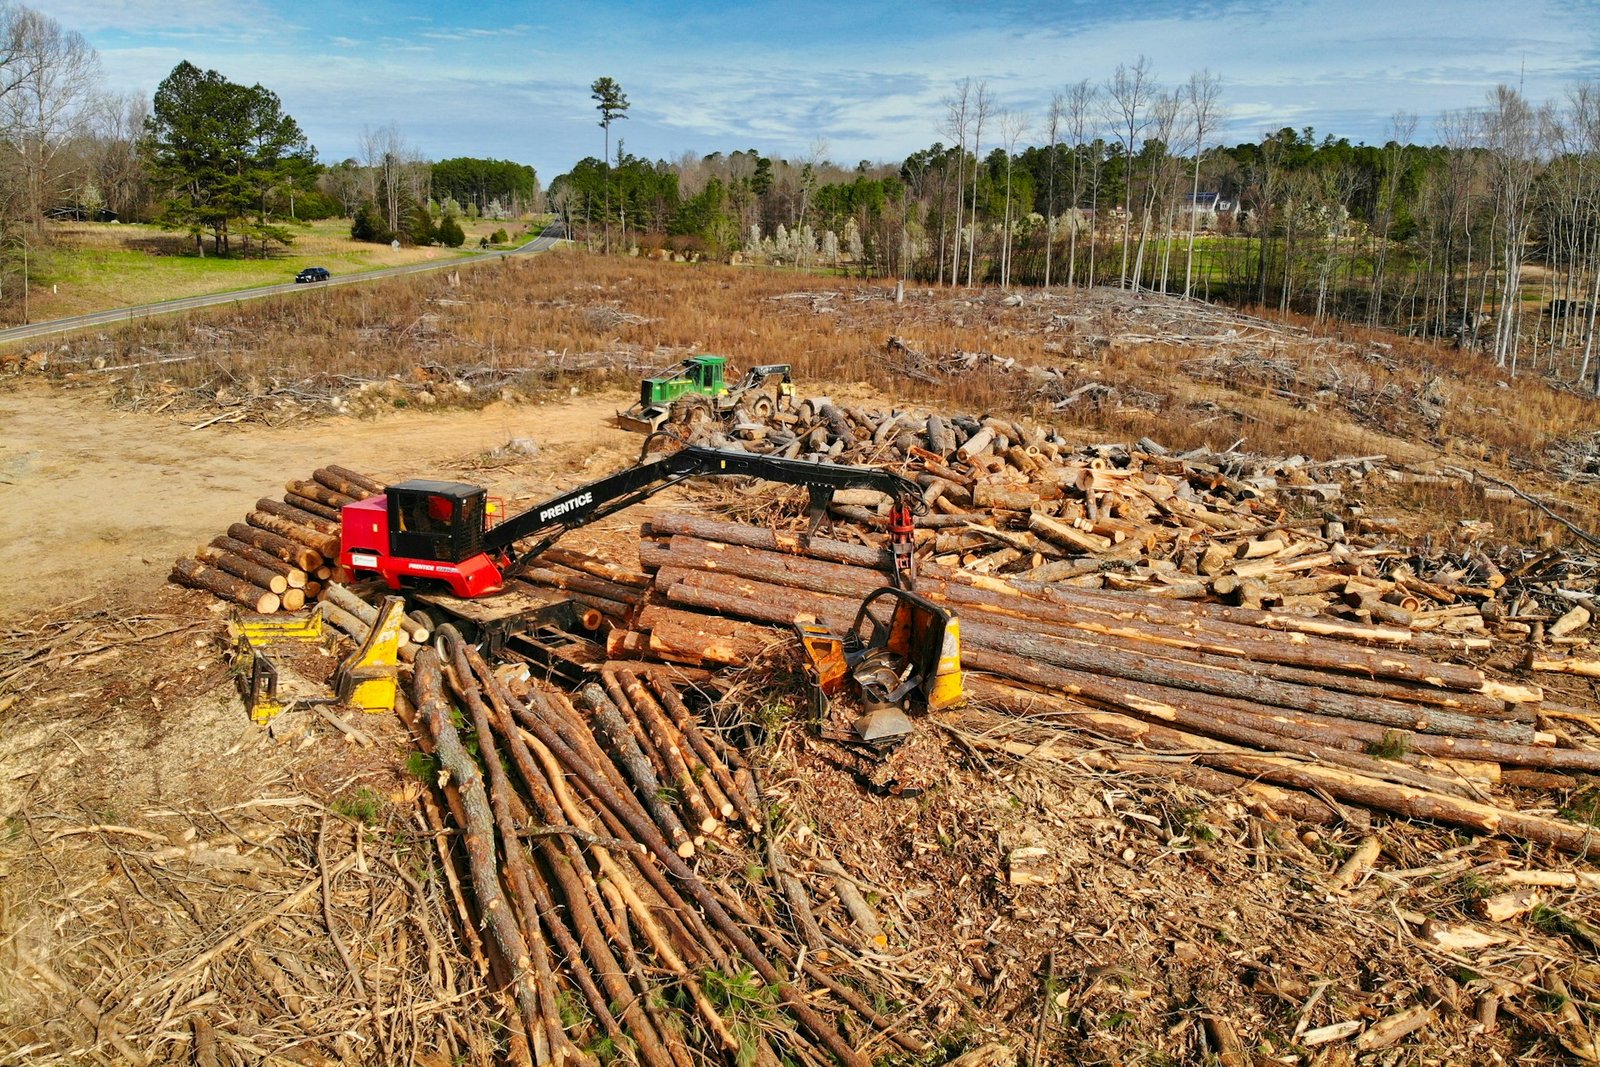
(363, 806)
(94, 267)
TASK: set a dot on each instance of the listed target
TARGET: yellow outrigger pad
(367, 679)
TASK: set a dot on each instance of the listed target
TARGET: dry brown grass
(1339, 390)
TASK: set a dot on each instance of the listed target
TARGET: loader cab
(434, 520)
(707, 374)
(704, 375)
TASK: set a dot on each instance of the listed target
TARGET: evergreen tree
(450, 233)
(222, 150)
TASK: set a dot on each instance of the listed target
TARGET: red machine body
(367, 544)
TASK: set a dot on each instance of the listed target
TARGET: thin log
(314, 507)
(478, 834)
(294, 575)
(627, 753)
(322, 494)
(599, 568)
(615, 592)
(528, 883)
(670, 746)
(1334, 782)
(684, 720)
(325, 545)
(298, 516)
(714, 911)
(346, 481)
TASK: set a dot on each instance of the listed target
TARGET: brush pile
(1013, 499)
(285, 550)
(578, 821)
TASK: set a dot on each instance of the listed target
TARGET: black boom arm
(606, 496)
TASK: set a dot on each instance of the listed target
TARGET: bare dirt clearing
(98, 499)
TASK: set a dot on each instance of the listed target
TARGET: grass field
(97, 266)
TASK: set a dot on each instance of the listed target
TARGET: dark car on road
(312, 274)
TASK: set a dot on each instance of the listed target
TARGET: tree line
(1489, 233)
(219, 161)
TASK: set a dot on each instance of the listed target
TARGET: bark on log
(1339, 784)
(300, 556)
(324, 544)
(197, 575)
(1066, 536)
(671, 747)
(295, 576)
(315, 507)
(1088, 611)
(609, 722)
(714, 640)
(478, 834)
(320, 493)
(624, 595)
(238, 566)
(343, 480)
(526, 884)
(593, 565)
(684, 720)
(715, 912)
(299, 516)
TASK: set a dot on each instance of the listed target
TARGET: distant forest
(1489, 236)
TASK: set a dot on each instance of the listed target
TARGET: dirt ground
(103, 500)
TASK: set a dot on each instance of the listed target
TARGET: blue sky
(866, 78)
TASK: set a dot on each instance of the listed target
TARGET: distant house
(1207, 208)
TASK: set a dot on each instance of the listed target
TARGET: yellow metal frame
(366, 679)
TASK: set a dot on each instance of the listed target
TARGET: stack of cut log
(1009, 498)
(606, 592)
(578, 824)
(284, 550)
(1360, 713)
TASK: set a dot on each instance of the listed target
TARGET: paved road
(546, 240)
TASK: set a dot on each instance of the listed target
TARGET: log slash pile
(1011, 499)
(285, 550)
(1361, 714)
(579, 817)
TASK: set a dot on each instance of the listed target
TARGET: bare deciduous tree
(1080, 106)
(1012, 126)
(48, 82)
(958, 116)
(393, 171)
(982, 110)
(1201, 94)
(1058, 107)
(1128, 95)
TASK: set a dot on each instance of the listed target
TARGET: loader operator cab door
(707, 374)
(433, 520)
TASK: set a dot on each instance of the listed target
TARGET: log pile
(285, 550)
(1344, 712)
(1016, 500)
(585, 828)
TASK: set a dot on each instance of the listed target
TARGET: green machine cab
(700, 383)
